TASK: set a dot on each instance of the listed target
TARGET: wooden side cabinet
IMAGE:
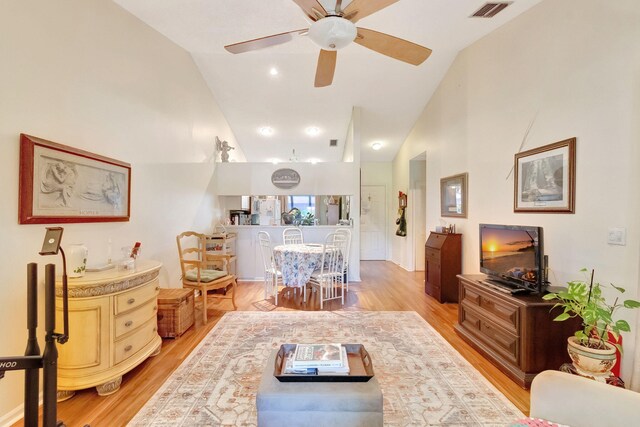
(516, 333)
(442, 262)
(112, 327)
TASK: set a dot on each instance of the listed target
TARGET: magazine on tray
(322, 370)
(317, 356)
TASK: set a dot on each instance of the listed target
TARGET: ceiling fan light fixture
(376, 145)
(332, 32)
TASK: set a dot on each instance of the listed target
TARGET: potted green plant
(590, 350)
(307, 219)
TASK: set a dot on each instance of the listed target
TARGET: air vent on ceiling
(333, 143)
(489, 10)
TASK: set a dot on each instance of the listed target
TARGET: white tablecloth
(297, 262)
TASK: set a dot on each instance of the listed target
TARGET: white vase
(76, 260)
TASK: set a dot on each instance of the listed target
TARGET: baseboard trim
(17, 413)
(13, 416)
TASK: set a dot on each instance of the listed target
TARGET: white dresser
(112, 327)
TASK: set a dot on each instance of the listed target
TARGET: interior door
(373, 220)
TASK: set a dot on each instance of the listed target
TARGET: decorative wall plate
(285, 178)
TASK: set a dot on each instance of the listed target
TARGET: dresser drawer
(470, 296)
(500, 340)
(501, 311)
(468, 318)
(129, 321)
(136, 297)
(129, 345)
(433, 254)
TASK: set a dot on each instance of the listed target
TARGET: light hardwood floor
(384, 287)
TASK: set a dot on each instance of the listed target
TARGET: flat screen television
(513, 255)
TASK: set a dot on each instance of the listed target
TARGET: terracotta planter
(590, 361)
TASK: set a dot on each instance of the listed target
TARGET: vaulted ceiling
(391, 94)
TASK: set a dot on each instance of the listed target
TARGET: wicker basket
(175, 312)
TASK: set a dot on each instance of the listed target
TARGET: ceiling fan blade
(358, 9)
(326, 67)
(310, 7)
(393, 47)
(262, 42)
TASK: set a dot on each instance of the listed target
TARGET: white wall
(573, 67)
(87, 74)
(338, 178)
(402, 247)
(416, 215)
(353, 140)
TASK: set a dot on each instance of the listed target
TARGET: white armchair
(580, 402)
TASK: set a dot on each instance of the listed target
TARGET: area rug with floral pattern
(424, 381)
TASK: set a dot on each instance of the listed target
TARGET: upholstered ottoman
(317, 404)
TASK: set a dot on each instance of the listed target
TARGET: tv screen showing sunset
(510, 252)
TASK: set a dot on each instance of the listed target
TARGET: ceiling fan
(336, 29)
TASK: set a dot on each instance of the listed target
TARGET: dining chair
(198, 269)
(347, 254)
(292, 235)
(271, 273)
(330, 280)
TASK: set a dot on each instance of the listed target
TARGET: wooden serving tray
(360, 367)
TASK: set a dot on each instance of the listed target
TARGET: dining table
(298, 261)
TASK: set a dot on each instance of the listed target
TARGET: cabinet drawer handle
(128, 323)
(155, 307)
(131, 300)
(128, 348)
(157, 288)
(155, 329)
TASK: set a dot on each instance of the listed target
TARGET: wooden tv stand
(516, 333)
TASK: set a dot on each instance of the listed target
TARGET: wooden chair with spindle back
(198, 271)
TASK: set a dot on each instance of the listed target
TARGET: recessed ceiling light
(273, 71)
(274, 161)
(376, 145)
(312, 131)
(266, 131)
(313, 161)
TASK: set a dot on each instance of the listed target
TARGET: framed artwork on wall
(453, 195)
(545, 178)
(62, 184)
